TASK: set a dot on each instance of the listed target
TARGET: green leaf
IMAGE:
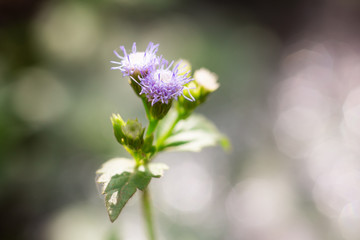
(193, 134)
(123, 190)
(118, 179)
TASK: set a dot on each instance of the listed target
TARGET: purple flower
(163, 84)
(137, 62)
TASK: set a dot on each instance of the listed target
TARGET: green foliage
(119, 179)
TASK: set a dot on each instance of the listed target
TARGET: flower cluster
(158, 82)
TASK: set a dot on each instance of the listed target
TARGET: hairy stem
(146, 202)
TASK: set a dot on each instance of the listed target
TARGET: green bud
(159, 110)
(133, 134)
(117, 123)
(130, 134)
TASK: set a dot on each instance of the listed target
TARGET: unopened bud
(130, 133)
(117, 123)
(134, 134)
(159, 109)
(204, 83)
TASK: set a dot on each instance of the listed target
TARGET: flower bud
(130, 133)
(205, 83)
(159, 110)
(117, 123)
(134, 134)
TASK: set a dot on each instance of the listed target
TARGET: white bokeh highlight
(317, 123)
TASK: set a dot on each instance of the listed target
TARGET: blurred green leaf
(193, 134)
(119, 179)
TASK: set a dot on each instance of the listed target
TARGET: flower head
(164, 84)
(137, 62)
(206, 79)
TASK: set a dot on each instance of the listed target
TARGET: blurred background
(289, 101)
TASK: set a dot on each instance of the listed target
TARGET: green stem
(146, 106)
(151, 127)
(133, 154)
(148, 214)
(163, 138)
(152, 122)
